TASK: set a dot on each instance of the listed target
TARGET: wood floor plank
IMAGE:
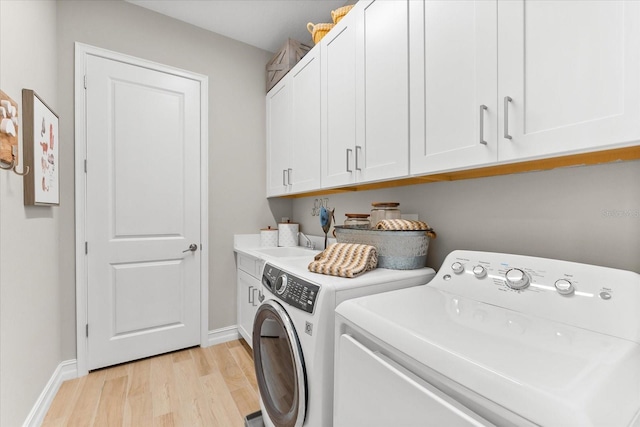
(85, 407)
(140, 375)
(60, 408)
(221, 401)
(193, 409)
(112, 402)
(165, 420)
(231, 371)
(246, 400)
(164, 395)
(193, 387)
(204, 365)
(245, 361)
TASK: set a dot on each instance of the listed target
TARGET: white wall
(237, 201)
(30, 332)
(588, 214)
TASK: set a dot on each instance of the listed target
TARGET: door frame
(82, 51)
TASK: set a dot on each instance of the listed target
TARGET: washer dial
(564, 287)
(281, 284)
(479, 271)
(516, 279)
(457, 267)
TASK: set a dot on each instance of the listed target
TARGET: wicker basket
(339, 13)
(318, 31)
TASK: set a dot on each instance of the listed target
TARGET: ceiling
(265, 24)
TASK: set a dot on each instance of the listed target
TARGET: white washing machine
(493, 339)
(293, 336)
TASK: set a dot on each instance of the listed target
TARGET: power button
(605, 295)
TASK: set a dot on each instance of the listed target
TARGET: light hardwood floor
(213, 386)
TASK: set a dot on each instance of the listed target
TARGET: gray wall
(29, 287)
(588, 214)
(237, 201)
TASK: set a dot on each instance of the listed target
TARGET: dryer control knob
(479, 271)
(281, 284)
(516, 279)
(564, 287)
(457, 267)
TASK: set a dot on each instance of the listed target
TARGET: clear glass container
(357, 220)
(384, 210)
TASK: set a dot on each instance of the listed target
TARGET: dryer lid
(548, 372)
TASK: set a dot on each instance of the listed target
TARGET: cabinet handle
(482, 110)
(284, 181)
(349, 150)
(289, 176)
(507, 100)
(254, 303)
(358, 148)
(250, 294)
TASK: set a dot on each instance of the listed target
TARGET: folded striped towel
(345, 260)
(405, 225)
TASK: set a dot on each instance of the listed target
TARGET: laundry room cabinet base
(248, 287)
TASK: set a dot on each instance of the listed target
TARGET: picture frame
(40, 151)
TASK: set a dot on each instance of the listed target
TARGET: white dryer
(493, 339)
(293, 336)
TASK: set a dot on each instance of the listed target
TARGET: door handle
(358, 148)
(349, 150)
(192, 248)
(251, 294)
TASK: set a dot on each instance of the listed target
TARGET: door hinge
(85, 81)
(85, 165)
(86, 247)
(87, 329)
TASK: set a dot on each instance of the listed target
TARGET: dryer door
(279, 364)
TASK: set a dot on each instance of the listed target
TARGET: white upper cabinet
(383, 90)
(571, 70)
(293, 129)
(305, 101)
(454, 76)
(365, 105)
(338, 101)
(278, 114)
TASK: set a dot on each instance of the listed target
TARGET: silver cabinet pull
(358, 148)
(284, 181)
(289, 176)
(349, 150)
(482, 110)
(192, 248)
(255, 303)
(507, 100)
(250, 294)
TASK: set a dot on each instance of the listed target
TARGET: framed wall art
(41, 151)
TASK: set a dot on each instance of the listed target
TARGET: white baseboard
(222, 335)
(66, 370)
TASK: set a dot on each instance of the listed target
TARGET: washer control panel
(597, 298)
(292, 290)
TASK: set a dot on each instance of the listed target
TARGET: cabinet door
(382, 90)
(278, 114)
(247, 304)
(572, 71)
(453, 64)
(338, 110)
(305, 99)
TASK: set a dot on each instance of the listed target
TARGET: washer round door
(279, 364)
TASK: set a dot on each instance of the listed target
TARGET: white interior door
(142, 211)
